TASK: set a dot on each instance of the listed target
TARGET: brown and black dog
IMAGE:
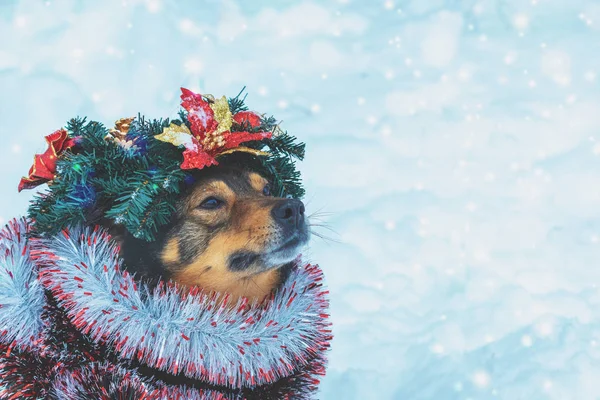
(228, 235)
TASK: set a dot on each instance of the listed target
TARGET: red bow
(44, 165)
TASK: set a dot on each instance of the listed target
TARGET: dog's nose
(289, 213)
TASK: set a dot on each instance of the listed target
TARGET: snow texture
(455, 142)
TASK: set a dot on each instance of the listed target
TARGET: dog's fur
(242, 247)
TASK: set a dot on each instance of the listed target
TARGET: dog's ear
(140, 258)
(95, 216)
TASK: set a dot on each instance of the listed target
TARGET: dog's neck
(255, 287)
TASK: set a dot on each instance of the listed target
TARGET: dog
(228, 235)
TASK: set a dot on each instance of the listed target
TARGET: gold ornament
(223, 115)
(244, 149)
(121, 128)
(120, 131)
(177, 135)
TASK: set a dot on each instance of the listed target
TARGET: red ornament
(44, 165)
(248, 117)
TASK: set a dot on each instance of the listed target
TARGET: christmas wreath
(131, 174)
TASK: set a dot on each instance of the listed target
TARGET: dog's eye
(267, 190)
(212, 203)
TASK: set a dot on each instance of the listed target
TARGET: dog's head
(230, 235)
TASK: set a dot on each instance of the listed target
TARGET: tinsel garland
(98, 333)
(21, 294)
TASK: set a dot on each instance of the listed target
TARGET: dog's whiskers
(325, 226)
(317, 220)
(325, 238)
(321, 212)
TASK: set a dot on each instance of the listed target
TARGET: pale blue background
(456, 142)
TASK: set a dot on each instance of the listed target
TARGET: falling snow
(455, 144)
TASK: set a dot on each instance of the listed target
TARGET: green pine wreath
(133, 174)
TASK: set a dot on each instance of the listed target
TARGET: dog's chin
(285, 253)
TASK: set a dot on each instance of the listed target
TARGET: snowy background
(455, 142)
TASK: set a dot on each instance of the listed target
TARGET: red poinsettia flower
(44, 165)
(211, 135)
(200, 114)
